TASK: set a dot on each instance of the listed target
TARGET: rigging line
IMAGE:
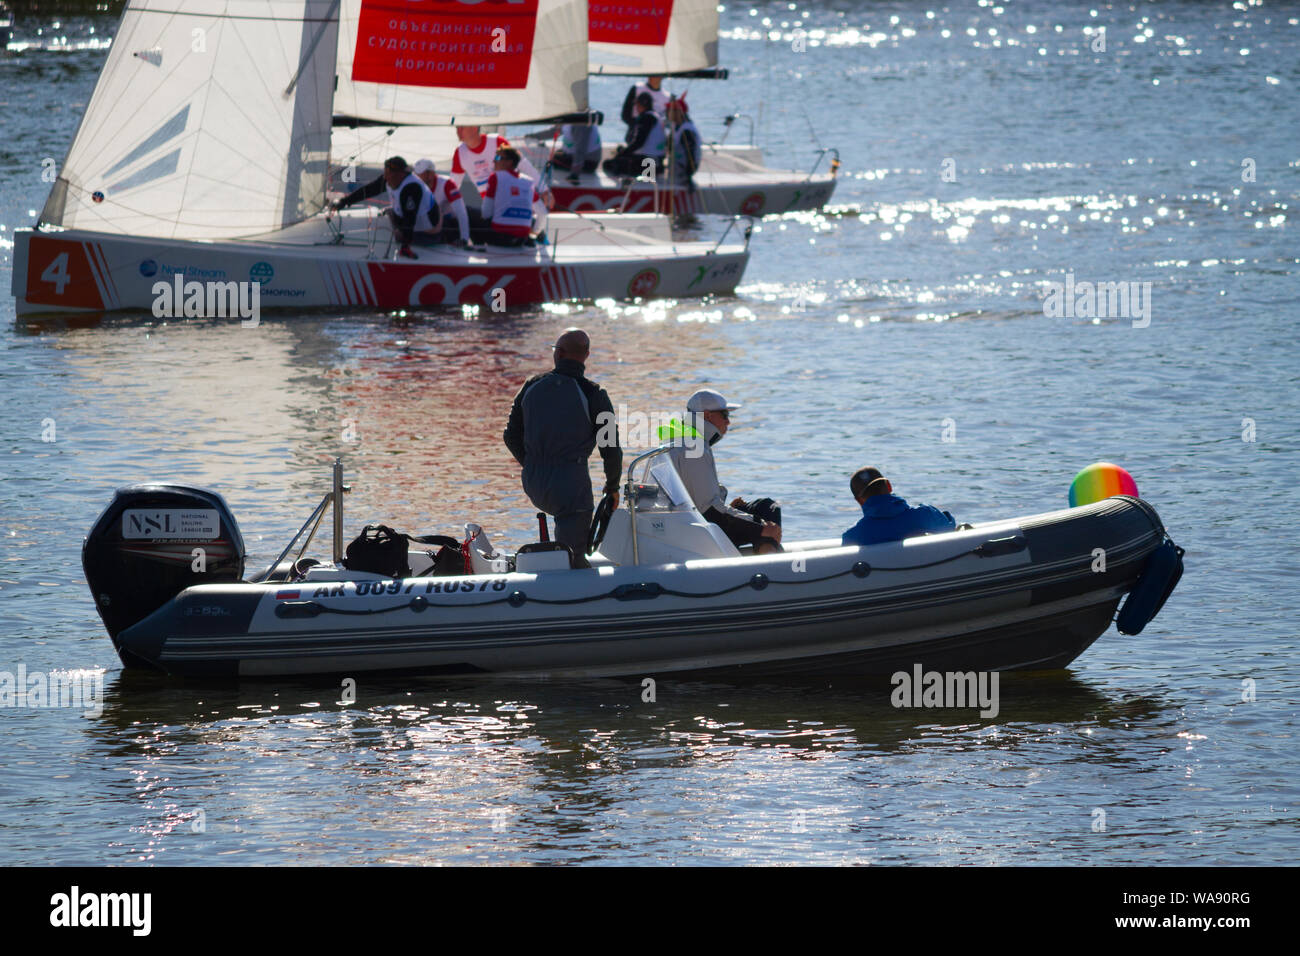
(812, 131)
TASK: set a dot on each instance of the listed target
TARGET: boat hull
(721, 195)
(76, 271)
(1007, 596)
(731, 181)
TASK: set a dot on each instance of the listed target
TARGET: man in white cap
(708, 418)
(447, 199)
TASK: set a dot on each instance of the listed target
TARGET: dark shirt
(537, 434)
(629, 104)
(740, 529)
(689, 146)
(640, 129)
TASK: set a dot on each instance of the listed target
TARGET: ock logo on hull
(452, 291)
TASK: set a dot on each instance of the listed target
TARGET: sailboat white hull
(732, 180)
(722, 194)
(306, 267)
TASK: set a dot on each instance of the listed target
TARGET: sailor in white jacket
(708, 418)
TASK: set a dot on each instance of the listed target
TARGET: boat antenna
(337, 494)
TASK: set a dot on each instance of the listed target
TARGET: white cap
(707, 400)
(423, 166)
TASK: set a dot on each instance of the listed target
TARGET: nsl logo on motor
(171, 523)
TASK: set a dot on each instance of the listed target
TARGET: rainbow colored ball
(1099, 481)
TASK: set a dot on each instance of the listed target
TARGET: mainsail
(656, 38)
(443, 62)
(211, 119)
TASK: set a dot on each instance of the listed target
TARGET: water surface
(910, 309)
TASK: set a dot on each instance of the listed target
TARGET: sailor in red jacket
(475, 157)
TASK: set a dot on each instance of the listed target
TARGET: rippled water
(855, 335)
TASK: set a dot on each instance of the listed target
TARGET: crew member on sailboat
(659, 98)
(687, 152)
(508, 201)
(411, 201)
(580, 147)
(476, 155)
(645, 141)
(446, 199)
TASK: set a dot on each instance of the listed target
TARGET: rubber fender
(1158, 580)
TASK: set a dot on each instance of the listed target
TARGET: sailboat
(679, 38)
(202, 158)
(398, 103)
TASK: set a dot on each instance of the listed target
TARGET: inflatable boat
(665, 593)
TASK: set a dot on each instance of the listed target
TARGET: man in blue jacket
(887, 517)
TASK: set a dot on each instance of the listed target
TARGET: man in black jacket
(645, 141)
(554, 424)
(411, 202)
(658, 96)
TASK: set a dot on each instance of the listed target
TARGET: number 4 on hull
(60, 272)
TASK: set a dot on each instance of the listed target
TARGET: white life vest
(445, 193)
(656, 143)
(423, 221)
(567, 140)
(512, 202)
(477, 164)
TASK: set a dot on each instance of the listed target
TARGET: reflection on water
(434, 768)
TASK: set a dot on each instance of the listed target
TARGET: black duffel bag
(379, 549)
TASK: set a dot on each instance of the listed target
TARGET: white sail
(656, 38)
(443, 62)
(209, 121)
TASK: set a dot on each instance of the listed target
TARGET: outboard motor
(154, 541)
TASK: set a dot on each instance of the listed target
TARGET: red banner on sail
(486, 45)
(645, 24)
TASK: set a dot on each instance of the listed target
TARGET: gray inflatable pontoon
(667, 594)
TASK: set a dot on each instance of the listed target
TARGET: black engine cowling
(154, 541)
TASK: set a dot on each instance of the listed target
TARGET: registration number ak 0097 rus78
(457, 586)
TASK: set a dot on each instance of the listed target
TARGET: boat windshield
(655, 485)
(666, 475)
